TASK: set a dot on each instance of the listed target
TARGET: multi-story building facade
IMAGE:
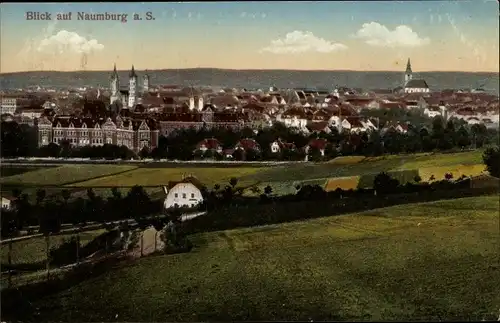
(169, 122)
(9, 104)
(87, 131)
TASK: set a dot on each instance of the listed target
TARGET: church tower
(115, 86)
(145, 83)
(408, 72)
(132, 88)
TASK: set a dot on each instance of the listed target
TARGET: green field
(431, 261)
(283, 179)
(63, 174)
(11, 171)
(161, 176)
(353, 166)
(33, 250)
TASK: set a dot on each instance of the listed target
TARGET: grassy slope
(64, 174)
(377, 265)
(33, 250)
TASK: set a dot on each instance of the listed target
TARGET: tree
(49, 222)
(417, 179)
(385, 184)
(314, 154)
(448, 176)
(462, 137)
(438, 132)
(233, 182)
(491, 158)
(239, 154)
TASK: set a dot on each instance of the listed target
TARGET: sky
(333, 35)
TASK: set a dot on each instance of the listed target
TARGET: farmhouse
(7, 202)
(184, 193)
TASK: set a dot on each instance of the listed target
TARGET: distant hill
(257, 79)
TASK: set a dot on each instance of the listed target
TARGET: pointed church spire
(114, 75)
(132, 72)
(408, 67)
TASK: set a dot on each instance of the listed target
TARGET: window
(176, 195)
(192, 195)
(183, 195)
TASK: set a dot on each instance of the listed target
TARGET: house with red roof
(278, 146)
(247, 144)
(209, 144)
(318, 143)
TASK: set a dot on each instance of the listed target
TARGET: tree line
(17, 141)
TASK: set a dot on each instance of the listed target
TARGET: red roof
(209, 143)
(248, 144)
(319, 143)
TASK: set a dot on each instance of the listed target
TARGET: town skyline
(343, 36)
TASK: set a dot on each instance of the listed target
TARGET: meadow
(342, 172)
(33, 250)
(430, 261)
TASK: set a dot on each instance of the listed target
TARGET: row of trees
(17, 141)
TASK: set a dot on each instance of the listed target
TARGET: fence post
(156, 239)
(10, 263)
(142, 243)
(78, 248)
(47, 244)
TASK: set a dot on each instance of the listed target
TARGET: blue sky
(447, 35)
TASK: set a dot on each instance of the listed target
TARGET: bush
(403, 177)
(174, 239)
(491, 159)
(383, 183)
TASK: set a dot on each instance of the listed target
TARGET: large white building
(185, 193)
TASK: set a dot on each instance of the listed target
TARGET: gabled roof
(209, 143)
(248, 144)
(189, 179)
(416, 84)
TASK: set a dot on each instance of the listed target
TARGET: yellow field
(437, 160)
(345, 183)
(456, 171)
(161, 176)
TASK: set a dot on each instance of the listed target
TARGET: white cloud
(263, 15)
(243, 14)
(440, 18)
(174, 14)
(431, 18)
(69, 42)
(198, 15)
(190, 15)
(376, 34)
(301, 42)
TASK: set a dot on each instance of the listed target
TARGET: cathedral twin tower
(128, 98)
